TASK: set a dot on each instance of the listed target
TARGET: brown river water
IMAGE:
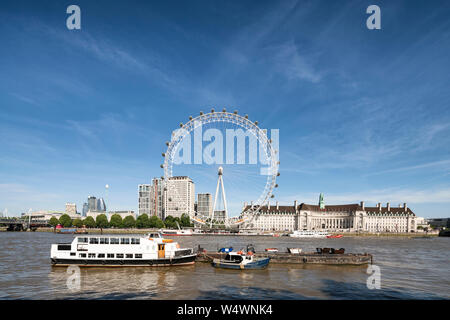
(411, 268)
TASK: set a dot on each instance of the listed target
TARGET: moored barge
(300, 258)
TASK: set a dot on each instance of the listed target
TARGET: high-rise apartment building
(101, 205)
(85, 209)
(157, 198)
(179, 196)
(92, 203)
(71, 209)
(144, 193)
(204, 204)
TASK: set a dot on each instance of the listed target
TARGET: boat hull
(260, 264)
(166, 262)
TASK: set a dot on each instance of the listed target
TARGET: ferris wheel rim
(243, 122)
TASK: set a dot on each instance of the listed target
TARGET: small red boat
(335, 236)
(271, 250)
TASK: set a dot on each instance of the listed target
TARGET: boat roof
(148, 235)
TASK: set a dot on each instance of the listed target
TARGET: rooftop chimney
(295, 204)
(388, 205)
(245, 205)
(268, 206)
(278, 208)
(379, 206)
(251, 204)
(362, 205)
(405, 207)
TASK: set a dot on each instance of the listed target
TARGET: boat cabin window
(93, 240)
(72, 253)
(154, 235)
(91, 255)
(104, 240)
(82, 255)
(119, 255)
(129, 256)
(66, 247)
(101, 255)
(82, 240)
(114, 240)
(110, 255)
(138, 256)
(124, 240)
(135, 241)
(233, 258)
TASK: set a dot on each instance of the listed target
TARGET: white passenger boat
(181, 232)
(309, 234)
(121, 250)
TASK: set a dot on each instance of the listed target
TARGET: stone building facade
(333, 218)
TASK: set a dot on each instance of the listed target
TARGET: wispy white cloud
(24, 142)
(24, 98)
(442, 163)
(293, 65)
(16, 195)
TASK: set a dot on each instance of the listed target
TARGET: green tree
(185, 220)
(101, 221)
(155, 222)
(116, 221)
(78, 223)
(65, 221)
(89, 222)
(53, 221)
(170, 222)
(142, 221)
(129, 222)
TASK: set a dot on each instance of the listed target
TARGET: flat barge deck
(300, 258)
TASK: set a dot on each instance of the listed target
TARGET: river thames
(411, 268)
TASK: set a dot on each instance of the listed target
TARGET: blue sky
(363, 114)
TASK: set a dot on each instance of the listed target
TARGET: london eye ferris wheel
(236, 169)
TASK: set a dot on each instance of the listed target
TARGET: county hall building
(334, 218)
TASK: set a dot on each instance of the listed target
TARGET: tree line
(142, 221)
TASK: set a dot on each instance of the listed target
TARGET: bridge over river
(21, 224)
